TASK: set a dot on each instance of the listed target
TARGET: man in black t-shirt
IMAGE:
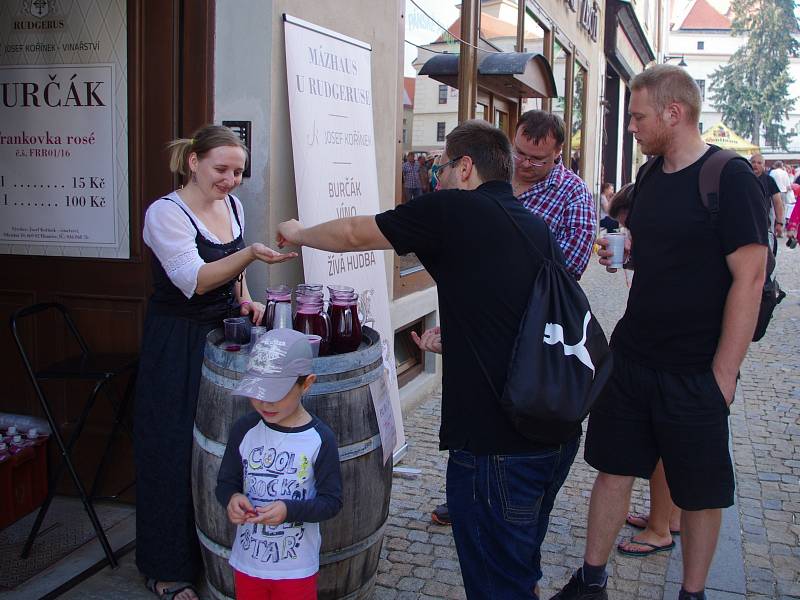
(500, 486)
(690, 317)
(772, 197)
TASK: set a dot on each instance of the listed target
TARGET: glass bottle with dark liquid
(312, 319)
(278, 313)
(345, 324)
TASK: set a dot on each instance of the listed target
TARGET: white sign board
(333, 143)
(64, 129)
(56, 148)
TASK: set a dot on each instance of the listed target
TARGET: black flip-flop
(652, 548)
(170, 592)
(631, 516)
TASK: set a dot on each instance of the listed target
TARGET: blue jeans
(500, 507)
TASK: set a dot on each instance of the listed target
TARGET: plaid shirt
(411, 175)
(564, 202)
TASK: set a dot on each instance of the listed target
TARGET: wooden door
(170, 91)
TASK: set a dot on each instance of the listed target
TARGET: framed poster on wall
(64, 129)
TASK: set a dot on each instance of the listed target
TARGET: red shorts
(255, 588)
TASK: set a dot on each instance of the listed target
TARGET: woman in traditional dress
(196, 235)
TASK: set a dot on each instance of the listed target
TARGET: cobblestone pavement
(419, 559)
(766, 434)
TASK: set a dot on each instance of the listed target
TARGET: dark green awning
(509, 74)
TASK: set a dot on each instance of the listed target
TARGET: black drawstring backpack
(561, 360)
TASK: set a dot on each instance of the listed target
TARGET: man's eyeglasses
(522, 159)
(436, 169)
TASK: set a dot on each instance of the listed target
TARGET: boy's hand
(271, 514)
(239, 509)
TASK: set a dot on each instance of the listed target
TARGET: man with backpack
(691, 314)
(544, 186)
(501, 485)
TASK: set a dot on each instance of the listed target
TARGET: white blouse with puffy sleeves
(171, 236)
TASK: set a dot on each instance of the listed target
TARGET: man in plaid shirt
(550, 190)
(412, 186)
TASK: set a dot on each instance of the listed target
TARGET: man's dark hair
(487, 146)
(537, 125)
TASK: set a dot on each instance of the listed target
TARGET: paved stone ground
(419, 560)
(766, 433)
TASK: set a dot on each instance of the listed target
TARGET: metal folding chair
(99, 368)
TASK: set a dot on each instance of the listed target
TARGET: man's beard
(661, 141)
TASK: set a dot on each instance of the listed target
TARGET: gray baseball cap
(276, 361)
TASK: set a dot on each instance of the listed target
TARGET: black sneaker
(440, 515)
(577, 590)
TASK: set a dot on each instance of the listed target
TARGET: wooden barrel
(351, 541)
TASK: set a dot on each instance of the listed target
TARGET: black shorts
(644, 414)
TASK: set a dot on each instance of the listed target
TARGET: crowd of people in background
(417, 175)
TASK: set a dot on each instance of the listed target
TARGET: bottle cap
(12, 430)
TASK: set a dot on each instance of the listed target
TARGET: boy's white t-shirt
(277, 463)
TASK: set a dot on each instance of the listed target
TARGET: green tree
(752, 90)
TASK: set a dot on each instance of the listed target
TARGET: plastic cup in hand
(616, 245)
(237, 330)
(314, 341)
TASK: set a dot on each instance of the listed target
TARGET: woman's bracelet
(244, 302)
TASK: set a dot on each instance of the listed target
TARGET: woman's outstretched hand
(270, 256)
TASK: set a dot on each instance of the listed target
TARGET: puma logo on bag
(554, 333)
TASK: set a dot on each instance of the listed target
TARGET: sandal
(440, 515)
(169, 593)
(640, 522)
(651, 548)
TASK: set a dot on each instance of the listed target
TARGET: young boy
(280, 474)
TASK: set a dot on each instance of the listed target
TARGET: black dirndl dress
(171, 360)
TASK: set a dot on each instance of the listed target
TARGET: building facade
(180, 65)
(633, 39)
(700, 38)
(568, 34)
